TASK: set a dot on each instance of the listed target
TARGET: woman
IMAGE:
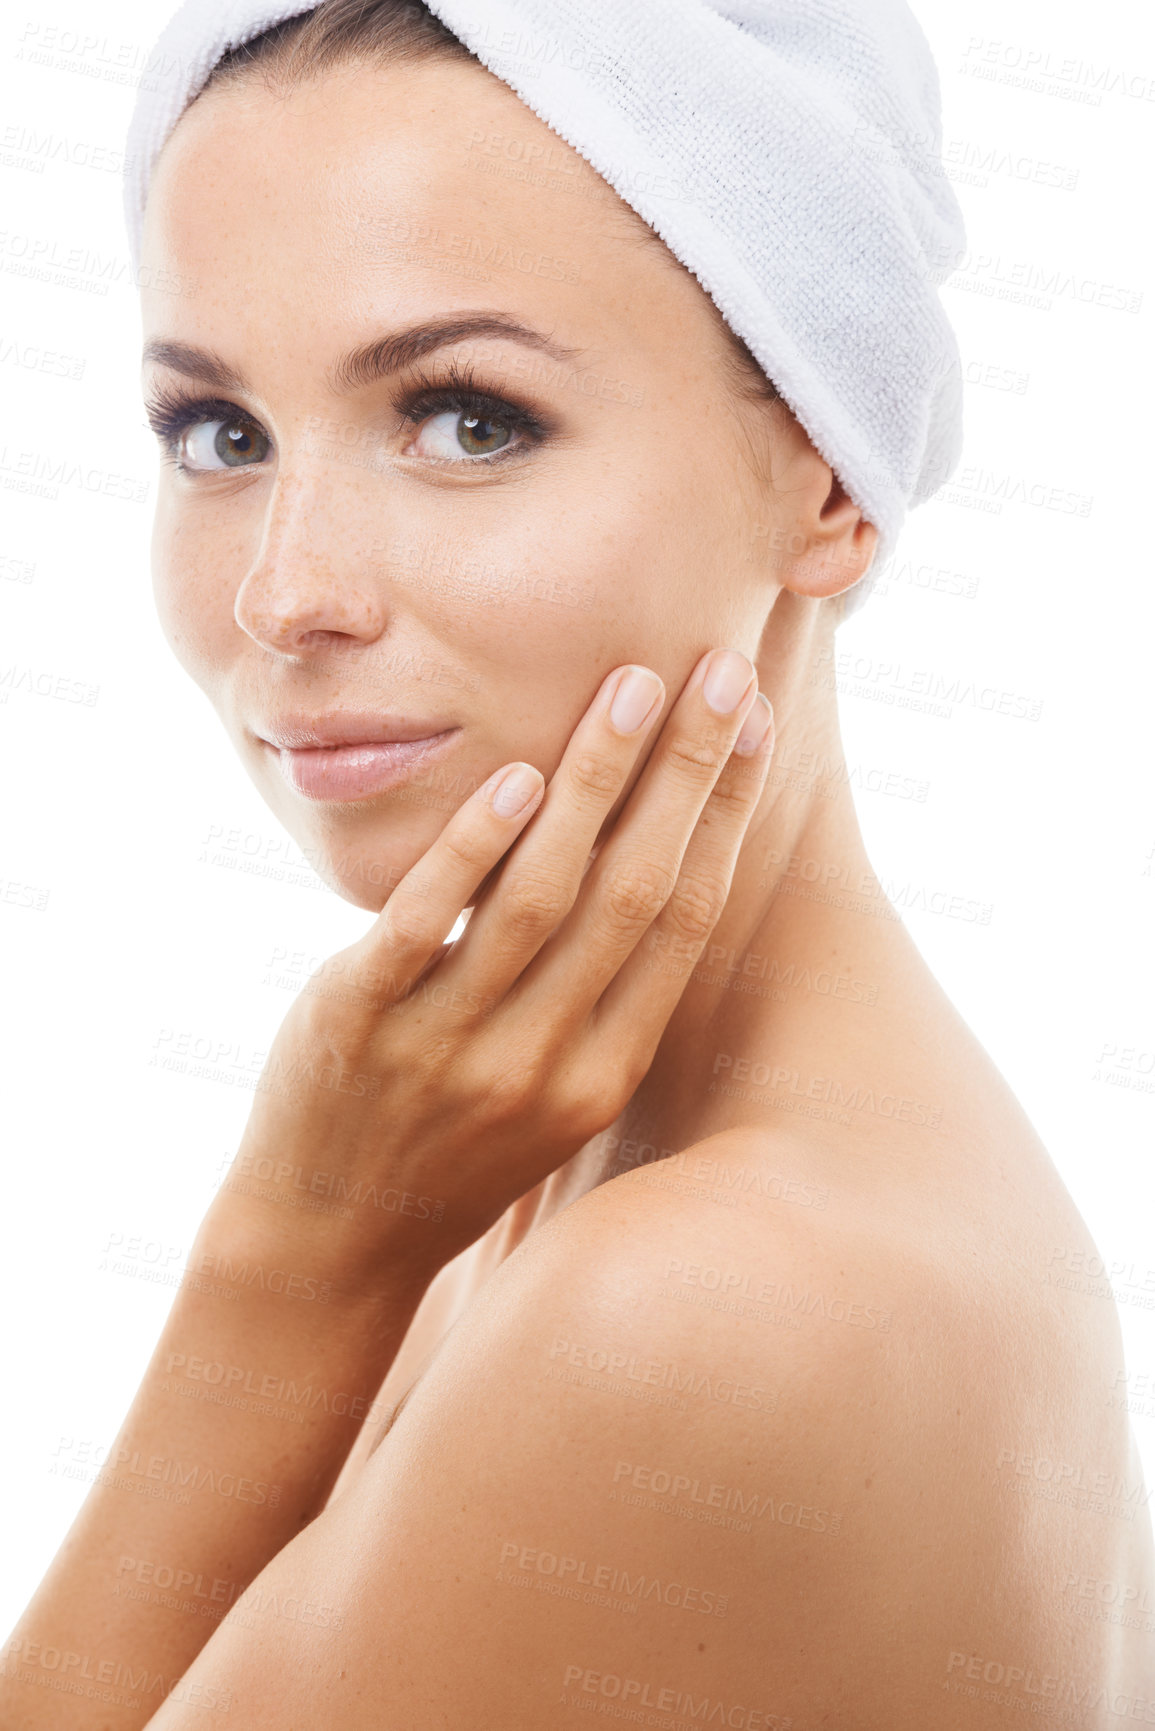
(632, 1306)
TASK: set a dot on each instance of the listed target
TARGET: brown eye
(454, 433)
(234, 444)
(479, 436)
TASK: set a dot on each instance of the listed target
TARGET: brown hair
(382, 31)
(386, 32)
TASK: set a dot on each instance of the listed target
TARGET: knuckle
(615, 1074)
(408, 927)
(585, 1099)
(736, 791)
(466, 849)
(581, 1114)
(594, 774)
(533, 905)
(695, 757)
(510, 1092)
(632, 1070)
(637, 892)
(695, 907)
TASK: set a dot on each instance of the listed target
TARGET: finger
(638, 866)
(632, 1013)
(412, 927)
(537, 886)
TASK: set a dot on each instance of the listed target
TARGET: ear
(820, 543)
(841, 546)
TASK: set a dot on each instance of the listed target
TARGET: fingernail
(515, 789)
(755, 727)
(728, 676)
(638, 690)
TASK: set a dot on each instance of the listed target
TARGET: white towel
(787, 152)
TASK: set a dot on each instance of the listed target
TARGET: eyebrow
(371, 361)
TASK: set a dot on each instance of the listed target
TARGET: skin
(941, 1363)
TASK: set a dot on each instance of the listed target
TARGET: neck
(798, 971)
(792, 959)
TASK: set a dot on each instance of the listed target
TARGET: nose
(305, 592)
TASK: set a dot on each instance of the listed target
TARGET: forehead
(373, 189)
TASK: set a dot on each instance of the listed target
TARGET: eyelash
(170, 412)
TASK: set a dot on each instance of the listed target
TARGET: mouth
(352, 757)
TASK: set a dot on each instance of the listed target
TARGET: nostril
(297, 618)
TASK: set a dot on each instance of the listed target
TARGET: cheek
(194, 595)
(555, 587)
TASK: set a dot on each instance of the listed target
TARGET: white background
(168, 889)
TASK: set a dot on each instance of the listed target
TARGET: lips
(324, 732)
(346, 756)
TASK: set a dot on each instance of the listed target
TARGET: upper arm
(598, 1492)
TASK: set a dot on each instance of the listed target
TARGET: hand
(460, 1075)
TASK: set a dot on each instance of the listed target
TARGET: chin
(363, 876)
(358, 893)
(360, 850)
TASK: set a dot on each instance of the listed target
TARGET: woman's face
(367, 552)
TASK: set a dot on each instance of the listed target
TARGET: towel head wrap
(786, 151)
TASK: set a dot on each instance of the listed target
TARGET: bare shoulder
(596, 1492)
(920, 1374)
(665, 1452)
(743, 1243)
